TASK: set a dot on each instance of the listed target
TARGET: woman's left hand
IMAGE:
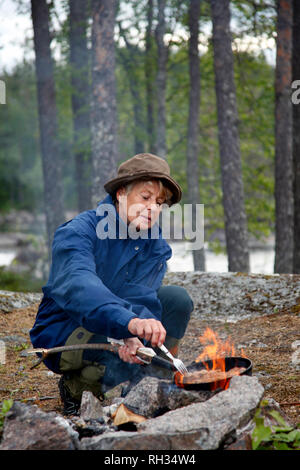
(128, 352)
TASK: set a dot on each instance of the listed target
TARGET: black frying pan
(230, 363)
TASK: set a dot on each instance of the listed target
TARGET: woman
(105, 282)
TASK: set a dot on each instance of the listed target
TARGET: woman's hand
(149, 329)
(128, 352)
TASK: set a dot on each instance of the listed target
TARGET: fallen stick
(39, 398)
(145, 354)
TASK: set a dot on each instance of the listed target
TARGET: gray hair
(162, 188)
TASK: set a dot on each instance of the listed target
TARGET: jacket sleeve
(78, 290)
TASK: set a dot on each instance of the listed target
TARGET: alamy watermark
(2, 353)
(188, 224)
(296, 93)
(2, 92)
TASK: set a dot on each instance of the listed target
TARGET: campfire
(199, 410)
(215, 366)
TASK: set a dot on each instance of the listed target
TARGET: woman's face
(142, 206)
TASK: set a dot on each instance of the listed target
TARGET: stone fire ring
(199, 426)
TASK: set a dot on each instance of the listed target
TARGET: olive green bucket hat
(145, 166)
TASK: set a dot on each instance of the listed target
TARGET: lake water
(6, 256)
(261, 260)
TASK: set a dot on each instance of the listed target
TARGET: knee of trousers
(88, 378)
(177, 308)
(183, 301)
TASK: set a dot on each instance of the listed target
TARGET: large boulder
(26, 427)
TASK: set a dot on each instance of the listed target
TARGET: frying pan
(230, 363)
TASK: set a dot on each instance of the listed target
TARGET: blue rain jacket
(98, 282)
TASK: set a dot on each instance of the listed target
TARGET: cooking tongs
(177, 363)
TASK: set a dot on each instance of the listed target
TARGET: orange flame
(215, 351)
(214, 348)
(178, 377)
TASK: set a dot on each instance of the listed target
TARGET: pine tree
(283, 141)
(103, 109)
(53, 194)
(229, 143)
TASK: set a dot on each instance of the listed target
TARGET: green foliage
(281, 437)
(19, 282)
(20, 167)
(255, 18)
(21, 180)
(6, 406)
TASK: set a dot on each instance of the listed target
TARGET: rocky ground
(266, 340)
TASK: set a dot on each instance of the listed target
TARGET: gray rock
(90, 407)
(26, 427)
(14, 339)
(144, 398)
(233, 296)
(91, 427)
(123, 440)
(222, 296)
(13, 300)
(217, 417)
(152, 396)
(109, 411)
(174, 397)
(295, 359)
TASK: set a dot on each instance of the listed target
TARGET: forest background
(208, 85)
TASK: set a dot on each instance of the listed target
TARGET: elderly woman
(105, 282)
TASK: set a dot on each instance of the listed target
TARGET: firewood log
(124, 415)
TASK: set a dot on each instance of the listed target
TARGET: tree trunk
(296, 135)
(229, 145)
(193, 123)
(128, 59)
(283, 141)
(53, 194)
(149, 73)
(161, 79)
(79, 59)
(104, 110)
